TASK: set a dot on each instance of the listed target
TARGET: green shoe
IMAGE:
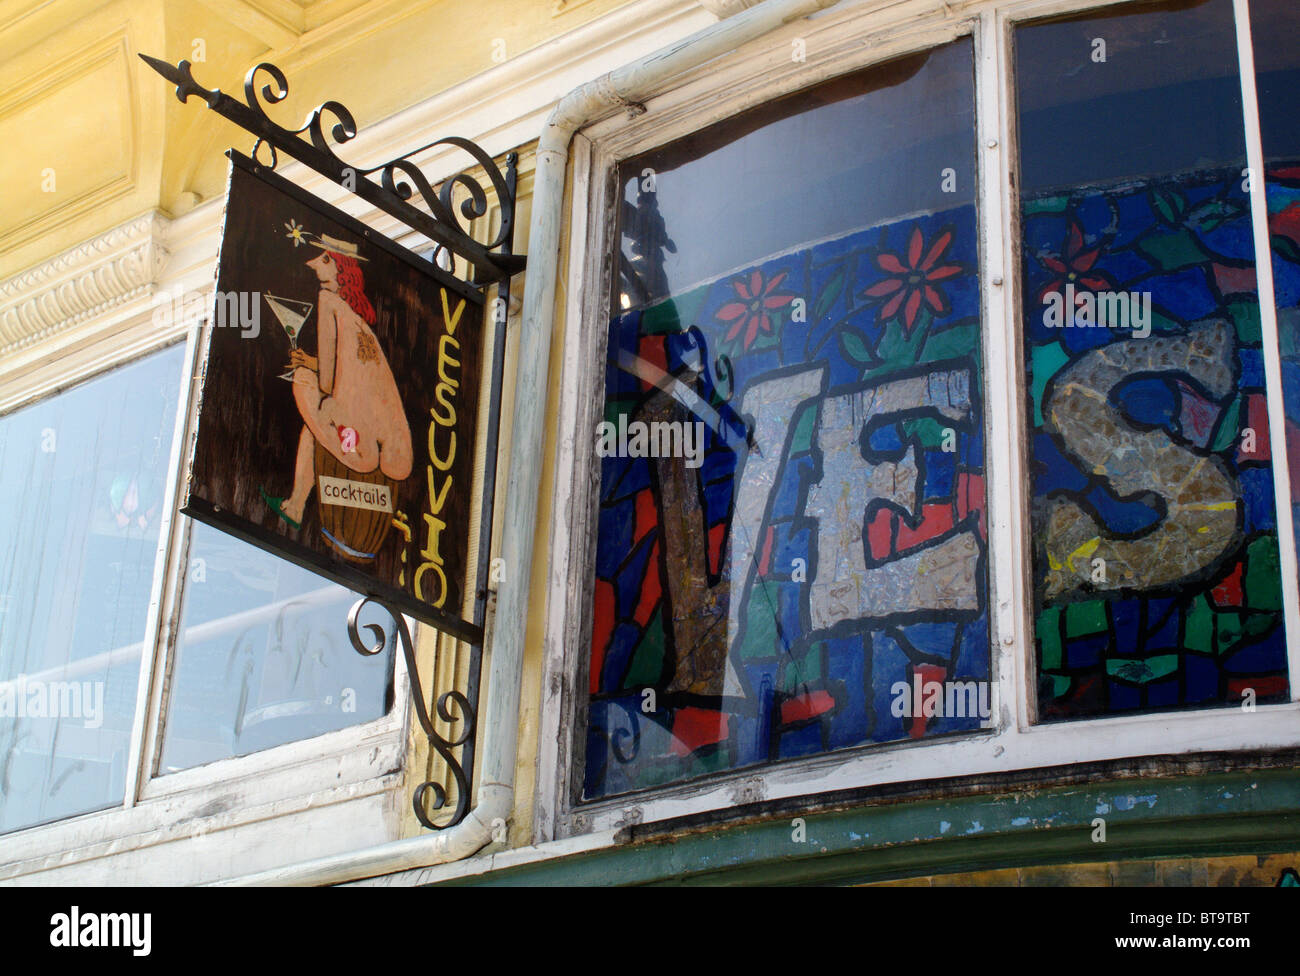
(273, 504)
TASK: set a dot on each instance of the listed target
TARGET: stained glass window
(791, 540)
(1155, 551)
(1275, 27)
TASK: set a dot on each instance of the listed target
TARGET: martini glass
(291, 314)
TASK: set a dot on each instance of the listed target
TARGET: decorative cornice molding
(93, 277)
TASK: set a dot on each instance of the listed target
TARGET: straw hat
(327, 243)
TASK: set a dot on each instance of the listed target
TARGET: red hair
(352, 286)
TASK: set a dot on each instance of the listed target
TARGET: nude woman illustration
(346, 393)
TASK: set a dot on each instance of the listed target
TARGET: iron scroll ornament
(399, 179)
(390, 187)
(444, 747)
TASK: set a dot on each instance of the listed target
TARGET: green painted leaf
(647, 665)
(672, 314)
(1244, 313)
(1055, 204)
(1169, 205)
(897, 348)
(826, 300)
(854, 347)
(1044, 363)
(1213, 213)
(1229, 630)
(1048, 630)
(1198, 634)
(1179, 249)
(1060, 685)
(1263, 581)
(801, 440)
(1141, 672)
(1228, 424)
(1088, 617)
(961, 340)
(1259, 624)
(1286, 248)
(925, 429)
(767, 340)
(760, 638)
(802, 670)
(710, 759)
(1163, 324)
(616, 408)
(1289, 332)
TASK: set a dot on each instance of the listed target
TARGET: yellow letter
(419, 594)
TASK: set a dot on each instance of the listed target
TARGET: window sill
(231, 817)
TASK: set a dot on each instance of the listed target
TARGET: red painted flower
(750, 313)
(1074, 267)
(915, 280)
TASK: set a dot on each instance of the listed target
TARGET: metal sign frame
(491, 263)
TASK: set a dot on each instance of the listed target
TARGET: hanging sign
(340, 397)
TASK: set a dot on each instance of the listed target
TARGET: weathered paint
(1186, 818)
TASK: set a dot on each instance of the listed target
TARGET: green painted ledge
(1254, 811)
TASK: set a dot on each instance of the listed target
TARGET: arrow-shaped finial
(180, 76)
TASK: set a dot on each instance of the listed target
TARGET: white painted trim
(1011, 356)
(1269, 329)
(157, 591)
(373, 765)
(200, 839)
(1225, 729)
(561, 685)
(998, 333)
(477, 867)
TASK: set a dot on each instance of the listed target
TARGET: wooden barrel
(354, 533)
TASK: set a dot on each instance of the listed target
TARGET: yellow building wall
(75, 99)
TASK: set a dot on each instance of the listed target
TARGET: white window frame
(842, 39)
(341, 782)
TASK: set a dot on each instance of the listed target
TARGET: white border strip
(1272, 348)
(158, 590)
(998, 335)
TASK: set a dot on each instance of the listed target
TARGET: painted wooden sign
(340, 399)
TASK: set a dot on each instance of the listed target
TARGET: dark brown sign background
(250, 423)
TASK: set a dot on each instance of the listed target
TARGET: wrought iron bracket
(391, 187)
(446, 748)
(398, 179)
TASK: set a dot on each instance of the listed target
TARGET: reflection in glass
(1275, 28)
(852, 153)
(84, 482)
(791, 540)
(263, 657)
(1155, 553)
